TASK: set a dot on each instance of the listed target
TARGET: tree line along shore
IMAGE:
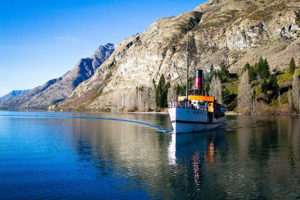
(255, 90)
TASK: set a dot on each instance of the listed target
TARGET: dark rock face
(87, 66)
(12, 94)
(56, 90)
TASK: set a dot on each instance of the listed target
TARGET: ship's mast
(187, 67)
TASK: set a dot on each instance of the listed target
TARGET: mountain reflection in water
(251, 158)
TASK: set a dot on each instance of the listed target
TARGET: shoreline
(227, 113)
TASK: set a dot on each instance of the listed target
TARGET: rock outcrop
(58, 89)
(230, 32)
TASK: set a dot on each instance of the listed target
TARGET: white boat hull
(186, 120)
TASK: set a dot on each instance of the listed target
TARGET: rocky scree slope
(58, 89)
(230, 32)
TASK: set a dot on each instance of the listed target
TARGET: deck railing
(185, 104)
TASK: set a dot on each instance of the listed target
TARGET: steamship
(196, 112)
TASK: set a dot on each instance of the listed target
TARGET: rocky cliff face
(231, 32)
(57, 90)
(12, 94)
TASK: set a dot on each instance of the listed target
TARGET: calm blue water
(82, 156)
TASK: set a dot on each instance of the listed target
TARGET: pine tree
(161, 92)
(224, 73)
(165, 95)
(260, 64)
(264, 87)
(263, 68)
(252, 74)
(255, 69)
(180, 90)
(273, 85)
(292, 66)
(226, 96)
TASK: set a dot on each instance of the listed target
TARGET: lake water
(82, 156)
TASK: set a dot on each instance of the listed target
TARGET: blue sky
(43, 39)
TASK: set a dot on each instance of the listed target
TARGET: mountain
(12, 94)
(58, 89)
(221, 32)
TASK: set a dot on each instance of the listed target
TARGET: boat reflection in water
(197, 148)
(162, 165)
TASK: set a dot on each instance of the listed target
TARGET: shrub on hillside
(292, 66)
